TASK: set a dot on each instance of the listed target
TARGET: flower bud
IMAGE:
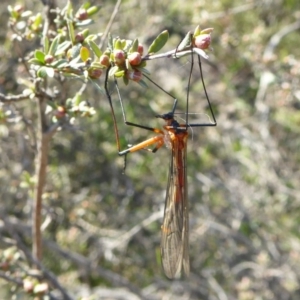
(202, 41)
(134, 58)
(119, 57)
(134, 75)
(82, 14)
(140, 49)
(104, 60)
(60, 112)
(28, 285)
(49, 58)
(79, 37)
(95, 73)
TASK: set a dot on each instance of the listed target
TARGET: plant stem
(41, 166)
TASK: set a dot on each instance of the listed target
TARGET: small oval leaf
(61, 49)
(112, 71)
(95, 48)
(118, 44)
(197, 31)
(45, 71)
(54, 45)
(185, 43)
(142, 83)
(35, 61)
(71, 30)
(159, 42)
(134, 46)
(84, 54)
(39, 55)
(41, 72)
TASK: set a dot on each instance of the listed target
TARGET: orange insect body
(174, 238)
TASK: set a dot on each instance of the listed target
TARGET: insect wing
(175, 228)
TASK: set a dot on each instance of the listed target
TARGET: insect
(175, 228)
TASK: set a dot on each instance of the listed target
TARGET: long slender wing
(175, 228)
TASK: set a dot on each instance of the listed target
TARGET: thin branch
(112, 18)
(277, 37)
(175, 53)
(13, 98)
(41, 165)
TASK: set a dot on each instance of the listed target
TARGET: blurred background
(102, 239)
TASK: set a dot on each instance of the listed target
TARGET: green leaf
(75, 51)
(95, 48)
(118, 44)
(127, 46)
(42, 73)
(84, 54)
(125, 80)
(84, 23)
(186, 42)
(197, 31)
(123, 44)
(45, 71)
(46, 44)
(119, 73)
(112, 71)
(69, 9)
(40, 56)
(159, 42)
(85, 5)
(61, 49)
(71, 30)
(142, 83)
(93, 10)
(54, 45)
(134, 46)
(128, 65)
(35, 61)
(92, 37)
(37, 21)
(60, 63)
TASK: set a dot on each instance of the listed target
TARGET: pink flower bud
(49, 58)
(140, 49)
(134, 75)
(79, 37)
(60, 112)
(134, 58)
(95, 73)
(202, 41)
(28, 285)
(82, 14)
(119, 57)
(104, 60)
